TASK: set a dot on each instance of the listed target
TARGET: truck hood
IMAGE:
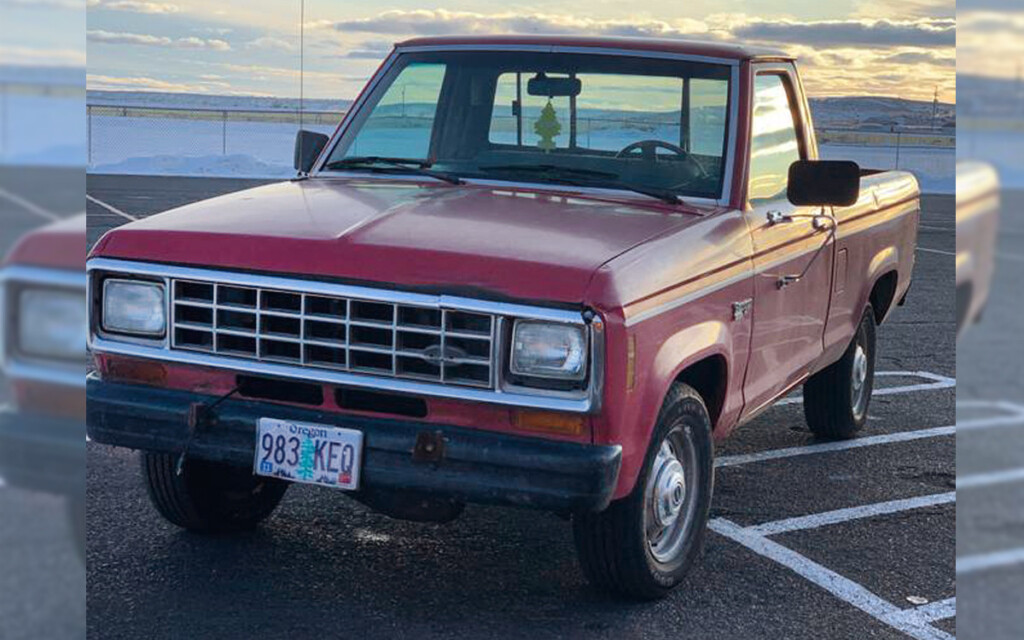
(472, 240)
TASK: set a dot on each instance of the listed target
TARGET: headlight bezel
(576, 382)
(118, 279)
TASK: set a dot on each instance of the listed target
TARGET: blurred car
(977, 222)
(42, 431)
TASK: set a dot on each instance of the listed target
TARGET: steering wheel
(648, 151)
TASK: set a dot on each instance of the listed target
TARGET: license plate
(309, 453)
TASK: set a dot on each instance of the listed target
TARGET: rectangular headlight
(52, 324)
(134, 307)
(549, 350)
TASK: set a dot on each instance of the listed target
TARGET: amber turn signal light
(138, 371)
(566, 424)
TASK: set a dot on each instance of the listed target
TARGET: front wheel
(643, 545)
(836, 398)
(209, 497)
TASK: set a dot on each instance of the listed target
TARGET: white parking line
(816, 520)
(110, 208)
(990, 478)
(31, 207)
(911, 621)
(937, 382)
(870, 441)
(916, 621)
(931, 612)
(825, 447)
(939, 251)
(987, 561)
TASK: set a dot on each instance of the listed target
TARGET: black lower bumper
(476, 465)
(42, 453)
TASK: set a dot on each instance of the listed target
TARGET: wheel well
(882, 295)
(708, 378)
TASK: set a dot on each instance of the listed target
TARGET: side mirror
(823, 183)
(308, 145)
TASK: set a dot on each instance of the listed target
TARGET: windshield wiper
(409, 165)
(585, 178)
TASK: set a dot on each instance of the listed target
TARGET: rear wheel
(209, 497)
(643, 545)
(836, 399)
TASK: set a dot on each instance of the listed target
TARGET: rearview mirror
(308, 145)
(823, 183)
(545, 87)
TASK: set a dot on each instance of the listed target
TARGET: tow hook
(429, 447)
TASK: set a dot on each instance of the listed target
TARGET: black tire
(834, 406)
(209, 497)
(612, 545)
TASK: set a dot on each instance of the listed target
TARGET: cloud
(920, 57)
(272, 43)
(921, 32)
(907, 9)
(134, 83)
(33, 57)
(146, 40)
(72, 5)
(370, 50)
(853, 33)
(134, 6)
(443, 22)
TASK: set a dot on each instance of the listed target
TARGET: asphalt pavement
(811, 540)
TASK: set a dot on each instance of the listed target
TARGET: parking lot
(811, 540)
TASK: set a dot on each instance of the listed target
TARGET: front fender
(670, 357)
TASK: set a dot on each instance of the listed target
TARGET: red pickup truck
(42, 354)
(530, 271)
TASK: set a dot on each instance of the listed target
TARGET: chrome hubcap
(860, 368)
(860, 376)
(668, 502)
(669, 487)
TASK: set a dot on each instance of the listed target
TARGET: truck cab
(531, 271)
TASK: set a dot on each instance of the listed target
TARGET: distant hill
(209, 101)
(859, 112)
(870, 112)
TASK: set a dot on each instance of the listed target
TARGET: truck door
(792, 251)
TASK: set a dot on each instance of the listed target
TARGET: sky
(251, 47)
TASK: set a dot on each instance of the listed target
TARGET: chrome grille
(367, 336)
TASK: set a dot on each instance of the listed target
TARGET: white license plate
(309, 453)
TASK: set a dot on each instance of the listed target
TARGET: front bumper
(476, 466)
(42, 453)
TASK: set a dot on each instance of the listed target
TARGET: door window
(775, 143)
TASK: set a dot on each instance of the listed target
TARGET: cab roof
(660, 45)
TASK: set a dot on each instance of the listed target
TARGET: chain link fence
(152, 139)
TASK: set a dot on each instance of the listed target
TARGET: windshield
(651, 125)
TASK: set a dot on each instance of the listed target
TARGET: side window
(774, 143)
(401, 123)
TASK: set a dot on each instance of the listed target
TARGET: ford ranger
(530, 271)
